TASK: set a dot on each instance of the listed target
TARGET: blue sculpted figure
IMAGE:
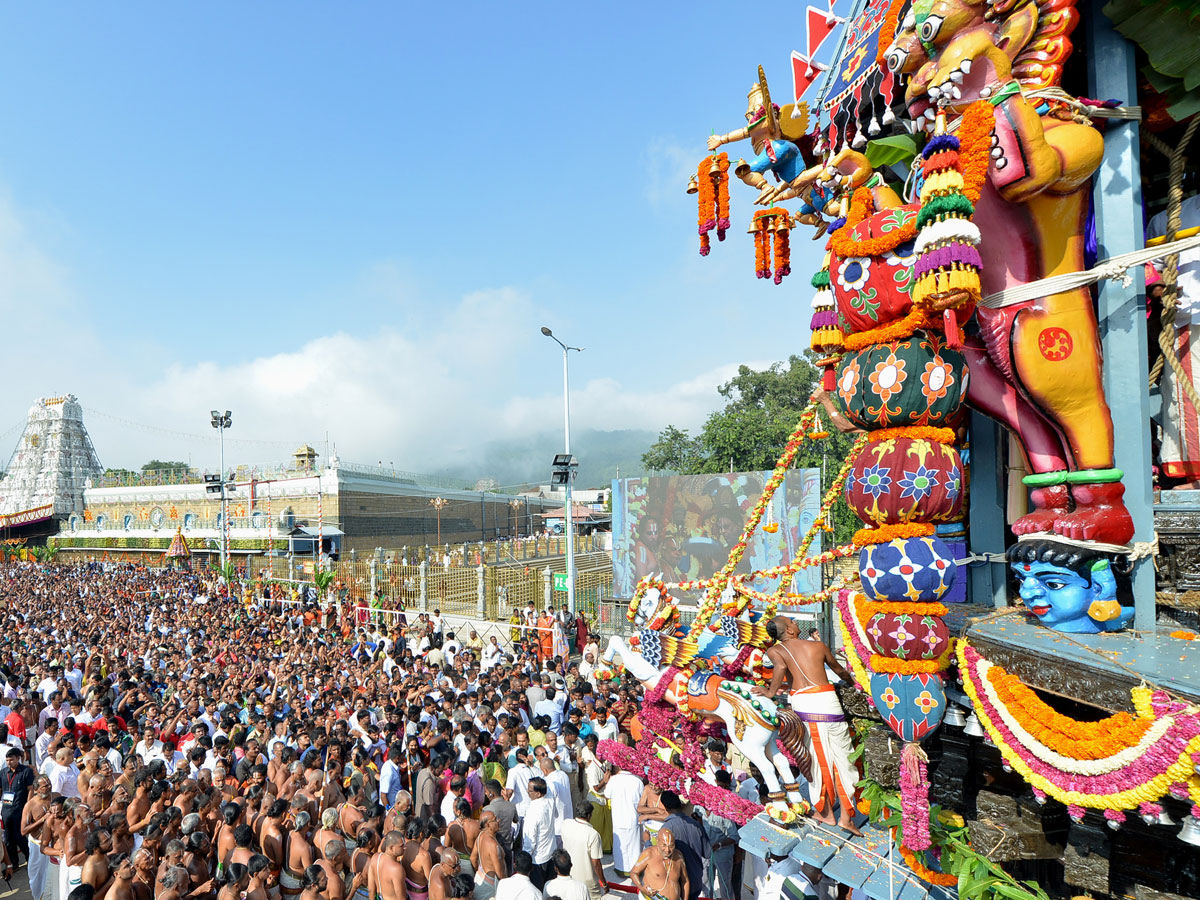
(1068, 588)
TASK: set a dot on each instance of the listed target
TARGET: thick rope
(1167, 331)
(1115, 268)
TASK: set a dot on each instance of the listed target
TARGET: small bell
(956, 716)
(972, 726)
(693, 185)
(781, 224)
(1190, 832)
(714, 170)
(753, 229)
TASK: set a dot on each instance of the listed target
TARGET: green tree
(675, 451)
(748, 434)
(161, 464)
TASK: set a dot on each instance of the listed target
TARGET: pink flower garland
(914, 798)
(1157, 759)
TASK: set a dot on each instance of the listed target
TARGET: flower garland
(868, 609)
(783, 249)
(1079, 740)
(974, 140)
(712, 182)
(898, 330)
(844, 243)
(893, 666)
(914, 797)
(717, 584)
(854, 640)
(914, 432)
(890, 532)
(887, 33)
(1160, 762)
(762, 251)
(925, 873)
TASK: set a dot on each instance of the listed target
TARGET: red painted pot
(904, 636)
(906, 480)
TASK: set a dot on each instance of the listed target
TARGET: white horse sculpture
(754, 723)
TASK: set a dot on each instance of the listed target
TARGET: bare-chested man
(33, 820)
(487, 857)
(299, 856)
(387, 874)
(801, 665)
(336, 863)
(462, 834)
(417, 861)
(442, 873)
(143, 874)
(122, 886)
(230, 813)
(660, 873)
(96, 870)
(271, 839)
(327, 832)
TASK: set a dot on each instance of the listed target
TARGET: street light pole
(437, 503)
(221, 422)
(568, 511)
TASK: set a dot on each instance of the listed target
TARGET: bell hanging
(972, 726)
(693, 185)
(1190, 832)
(714, 170)
(955, 715)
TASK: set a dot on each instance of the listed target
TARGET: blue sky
(354, 219)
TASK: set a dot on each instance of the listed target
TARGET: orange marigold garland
(892, 666)
(843, 242)
(887, 32)
(884, 533)
(916, 432)
(893, 331)
(925, 873)
(770, 228)
(712, 182)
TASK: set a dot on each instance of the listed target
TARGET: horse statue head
(652, 607)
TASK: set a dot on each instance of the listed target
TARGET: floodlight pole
(568, 511)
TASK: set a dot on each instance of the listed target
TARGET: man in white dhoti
(623, 791)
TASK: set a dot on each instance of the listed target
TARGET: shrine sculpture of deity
(1067, 588)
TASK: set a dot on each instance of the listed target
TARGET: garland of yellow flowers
(915, 320)
(827, 503)
(846, 620)
(914, 432)
(1180, 771)
(717, 584)
(868, 609)
(890, 532)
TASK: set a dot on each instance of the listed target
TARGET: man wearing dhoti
(801, 664)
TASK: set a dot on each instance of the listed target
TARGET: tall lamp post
(221, 422)
(515, 505)
(568, 511)
(437, 503)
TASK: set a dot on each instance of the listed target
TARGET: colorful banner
(684, 526)
(25, 517)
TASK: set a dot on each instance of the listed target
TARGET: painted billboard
(685, 525)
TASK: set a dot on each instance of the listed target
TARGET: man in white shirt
(516, 788)
(148, 748)
(559, 791)
(42, 744)
(583, 845)
(64, 776)
(563, 886)
(538, 838)
(550, 707)
(518, 885)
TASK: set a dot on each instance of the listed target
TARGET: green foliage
(161, 464)
(323, 578)
(675, 451)
(762, 407)
(892, 150)
(119, 473)
(978, 877)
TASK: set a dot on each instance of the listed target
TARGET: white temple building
(51, 466)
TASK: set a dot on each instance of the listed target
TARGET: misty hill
(527, 460)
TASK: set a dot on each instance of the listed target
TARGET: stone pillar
(547, 587)
(423, 589)
(480, 595)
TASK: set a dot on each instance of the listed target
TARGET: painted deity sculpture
(1068, 588)
(1035, 365)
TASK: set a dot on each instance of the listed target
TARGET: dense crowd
(168, 740)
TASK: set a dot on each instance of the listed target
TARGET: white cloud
(668, 165)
